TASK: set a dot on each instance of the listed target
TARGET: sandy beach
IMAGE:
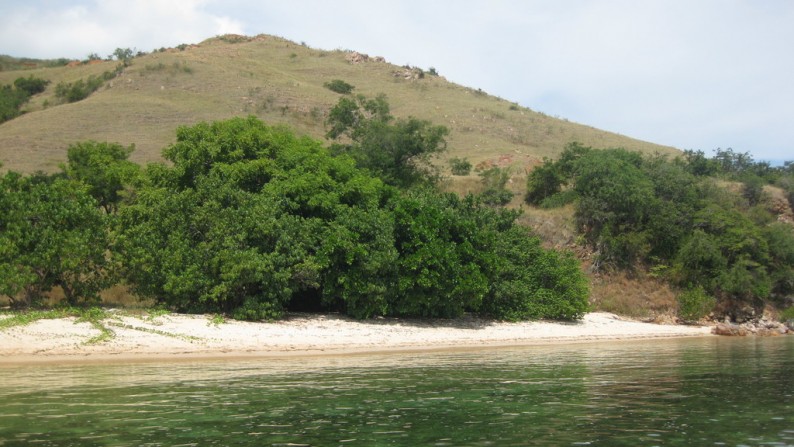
(176, 336)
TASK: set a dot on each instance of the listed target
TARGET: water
(693, 392)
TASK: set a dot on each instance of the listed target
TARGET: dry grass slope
(280, 82)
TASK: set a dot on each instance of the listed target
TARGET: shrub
(460, 166)
(495, 181)
(31, 85)
(786, 314)
(531, 282)
(80, 89)
(695, 304)
(543, 182)
(10, 101)
(339, 86)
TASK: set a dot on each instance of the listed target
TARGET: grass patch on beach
(96, 316)
(28, 317)
(92, 315)
(188, 338)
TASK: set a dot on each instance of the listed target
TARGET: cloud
(47, 30)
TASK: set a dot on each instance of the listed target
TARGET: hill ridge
(281, 82)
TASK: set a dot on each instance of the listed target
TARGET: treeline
(671, 216)
(252, 221)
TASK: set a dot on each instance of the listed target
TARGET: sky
(693, 74)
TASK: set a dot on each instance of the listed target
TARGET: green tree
(441, 249)
(397, 150)
(615, 201)
(530, 282)
(124, 55)
(104, 168)
(52, 235)
(250, 219)
(543, 182)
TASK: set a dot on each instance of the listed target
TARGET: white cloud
(98, 26)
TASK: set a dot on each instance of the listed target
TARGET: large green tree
(51, 235)
(250, 218)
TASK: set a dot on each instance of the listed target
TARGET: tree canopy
(398, 151)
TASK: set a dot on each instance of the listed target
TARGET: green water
(694, 392)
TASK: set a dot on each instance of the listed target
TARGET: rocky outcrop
(354, 57)
(762, 328)
(729, 329)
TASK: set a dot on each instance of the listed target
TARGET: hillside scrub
(252, 221)
(12, 98)
(668, 215)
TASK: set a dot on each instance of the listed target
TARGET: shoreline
(179, 337)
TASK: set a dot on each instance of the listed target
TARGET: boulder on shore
(729, 329)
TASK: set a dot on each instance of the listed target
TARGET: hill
(280, 82)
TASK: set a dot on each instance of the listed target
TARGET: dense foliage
(671, 216)
(51, 235)
(399, 151)
(104, 168)
(252, 220)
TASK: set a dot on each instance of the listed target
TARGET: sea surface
(707, 391)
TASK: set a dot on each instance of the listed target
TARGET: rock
(766, 332)
(356, 58)
(729, 330)
(790, 325)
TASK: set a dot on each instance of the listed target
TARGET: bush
(495, 191)
(695, 304)
(786, 314)
(10, 101)
(543, 182)
(460, 166)
(31, 85)
(339, 86)
(80, 89)
(531, 282)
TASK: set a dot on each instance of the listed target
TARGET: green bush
(543, 182)
(10, 102)
(531, 282)
(31, 85)
(695, 304)
(559, 200)
(494, 181)
(339, 86)
(460, 166)
(786, 314)
(78, 90)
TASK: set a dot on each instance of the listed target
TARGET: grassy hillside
(280, 82)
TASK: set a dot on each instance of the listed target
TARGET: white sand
(178, 336)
